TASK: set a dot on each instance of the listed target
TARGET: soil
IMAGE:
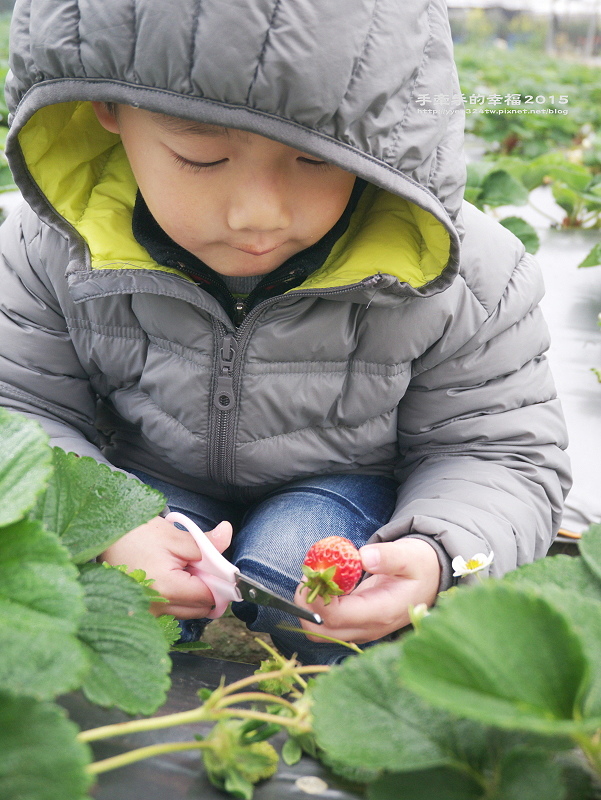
(231, 640)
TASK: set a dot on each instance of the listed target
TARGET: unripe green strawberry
(331, 567)
(234, 766)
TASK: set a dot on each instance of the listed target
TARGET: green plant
(235, 752)
(67, 622)
(496, 694)
(509, 180)
(528, 127)
(490, 185)
(539, 119)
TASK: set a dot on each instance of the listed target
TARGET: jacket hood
(357, 84)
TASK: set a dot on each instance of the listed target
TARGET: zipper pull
(224, 398)
(239, 312)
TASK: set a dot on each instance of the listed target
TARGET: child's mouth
(257, 251)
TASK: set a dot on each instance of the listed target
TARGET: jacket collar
(289, 275)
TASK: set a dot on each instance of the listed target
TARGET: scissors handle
(215, 570)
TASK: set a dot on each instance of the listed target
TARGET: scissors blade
(255, 592)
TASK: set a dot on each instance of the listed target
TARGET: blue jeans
(272, 535)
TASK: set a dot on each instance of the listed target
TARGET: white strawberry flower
(461, 567)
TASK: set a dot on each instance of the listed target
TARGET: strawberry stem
(350, 645)
(140, 754)
(314, 594)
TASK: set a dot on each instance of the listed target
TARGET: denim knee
(277, 532)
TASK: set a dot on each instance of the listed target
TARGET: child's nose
(259, 206)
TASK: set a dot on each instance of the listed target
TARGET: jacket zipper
(230, 350)
(224, 401)
(239, 312)
(223, 397)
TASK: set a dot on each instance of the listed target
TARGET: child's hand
(163, 552)
(404, 573)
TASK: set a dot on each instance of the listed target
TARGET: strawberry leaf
(139, 575)
(39, 755)
(386, 727)
(519, 775)
(561, 571)
(89, 506)
(590, 549)
(443, 783)
(40, 605)
(406, 748)
(25, 465)
(170, 628)
(460, 660)
(291, 752)
(126, 645)
(593, 259)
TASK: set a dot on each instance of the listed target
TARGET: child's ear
(107, 116)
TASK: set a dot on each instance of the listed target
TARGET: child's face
(241, 203)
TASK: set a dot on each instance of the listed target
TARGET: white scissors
(225, 580)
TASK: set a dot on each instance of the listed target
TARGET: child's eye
(196, 166)
(315, 162)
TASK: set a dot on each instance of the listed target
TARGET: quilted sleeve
(482, 437)
(40, 374)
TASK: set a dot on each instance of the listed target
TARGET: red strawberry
(332, 567)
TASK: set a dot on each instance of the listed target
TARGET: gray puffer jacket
(416, 350)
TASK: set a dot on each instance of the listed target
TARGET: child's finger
(184, 612)
(407, 557)
(377, 607)
(183, 545)
(221, 535)
(341, 619)
(182, 588)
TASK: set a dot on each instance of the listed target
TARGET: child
(244, 274)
